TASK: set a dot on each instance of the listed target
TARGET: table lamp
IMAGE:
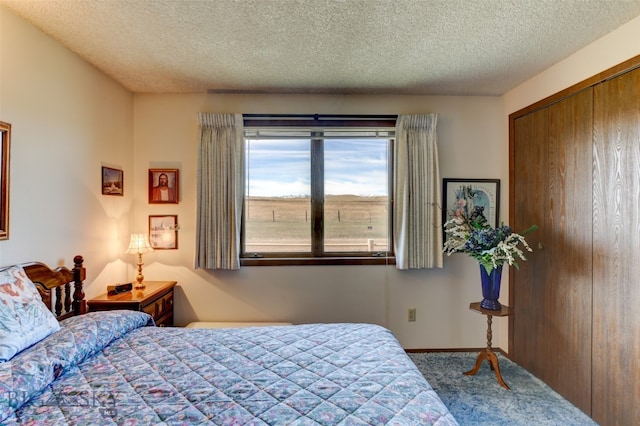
(139, 244)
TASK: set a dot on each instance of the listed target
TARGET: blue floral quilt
(116, 368)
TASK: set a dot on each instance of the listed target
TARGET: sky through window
(281, 168)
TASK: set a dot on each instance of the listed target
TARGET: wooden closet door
(529, 188)
(552, 290)
(616, 251)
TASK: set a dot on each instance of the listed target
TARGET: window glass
(356, 215)
(317, 192)
(277, 198)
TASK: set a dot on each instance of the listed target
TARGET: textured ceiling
(435, 47)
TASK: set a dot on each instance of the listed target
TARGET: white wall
(166, 135)
(68, 120)
(473, 142)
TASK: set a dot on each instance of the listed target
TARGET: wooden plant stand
(487, 353)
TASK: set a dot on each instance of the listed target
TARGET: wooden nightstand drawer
(156, 299)
(160, 307)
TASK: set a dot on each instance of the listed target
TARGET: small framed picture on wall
(163, 232)
(112, 181)
(163, 186)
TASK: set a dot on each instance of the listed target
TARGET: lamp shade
(139, 244)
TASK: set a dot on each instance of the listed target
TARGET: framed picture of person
(163, 186)
(163, 232)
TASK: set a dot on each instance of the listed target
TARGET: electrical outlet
(412, 314)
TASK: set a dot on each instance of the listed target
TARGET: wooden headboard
(54, 286)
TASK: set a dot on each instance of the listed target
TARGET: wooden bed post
(79, 275)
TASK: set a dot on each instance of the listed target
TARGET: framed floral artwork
(112, 181)
(463, 196)
(163, 232)
(163, 186)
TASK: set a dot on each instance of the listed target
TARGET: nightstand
(155, 299)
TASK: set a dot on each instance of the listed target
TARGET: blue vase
(491, 288)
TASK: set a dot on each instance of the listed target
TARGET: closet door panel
(566, 306)
(529, 195)
(616, 251)
(552, 290)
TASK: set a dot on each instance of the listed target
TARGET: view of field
(283, 224)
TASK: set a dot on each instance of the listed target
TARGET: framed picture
(462, 196)
(5, 140)
(163, 186)
(163, 232)
(112, 181)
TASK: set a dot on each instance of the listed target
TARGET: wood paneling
(530, 190)
(616, 251)
(576, 302)
(552, 291)
(568, 235)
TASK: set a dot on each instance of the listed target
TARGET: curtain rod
(318, 120)
(321, 116)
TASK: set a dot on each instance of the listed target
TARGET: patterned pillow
(24, 318)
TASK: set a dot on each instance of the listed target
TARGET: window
(317, 190)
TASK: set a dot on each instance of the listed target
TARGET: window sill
(296, 261)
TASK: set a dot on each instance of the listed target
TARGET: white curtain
(220, 188)
(417, 211)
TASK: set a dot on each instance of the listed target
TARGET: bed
(116, 367)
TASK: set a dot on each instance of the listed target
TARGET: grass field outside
(283, 224)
